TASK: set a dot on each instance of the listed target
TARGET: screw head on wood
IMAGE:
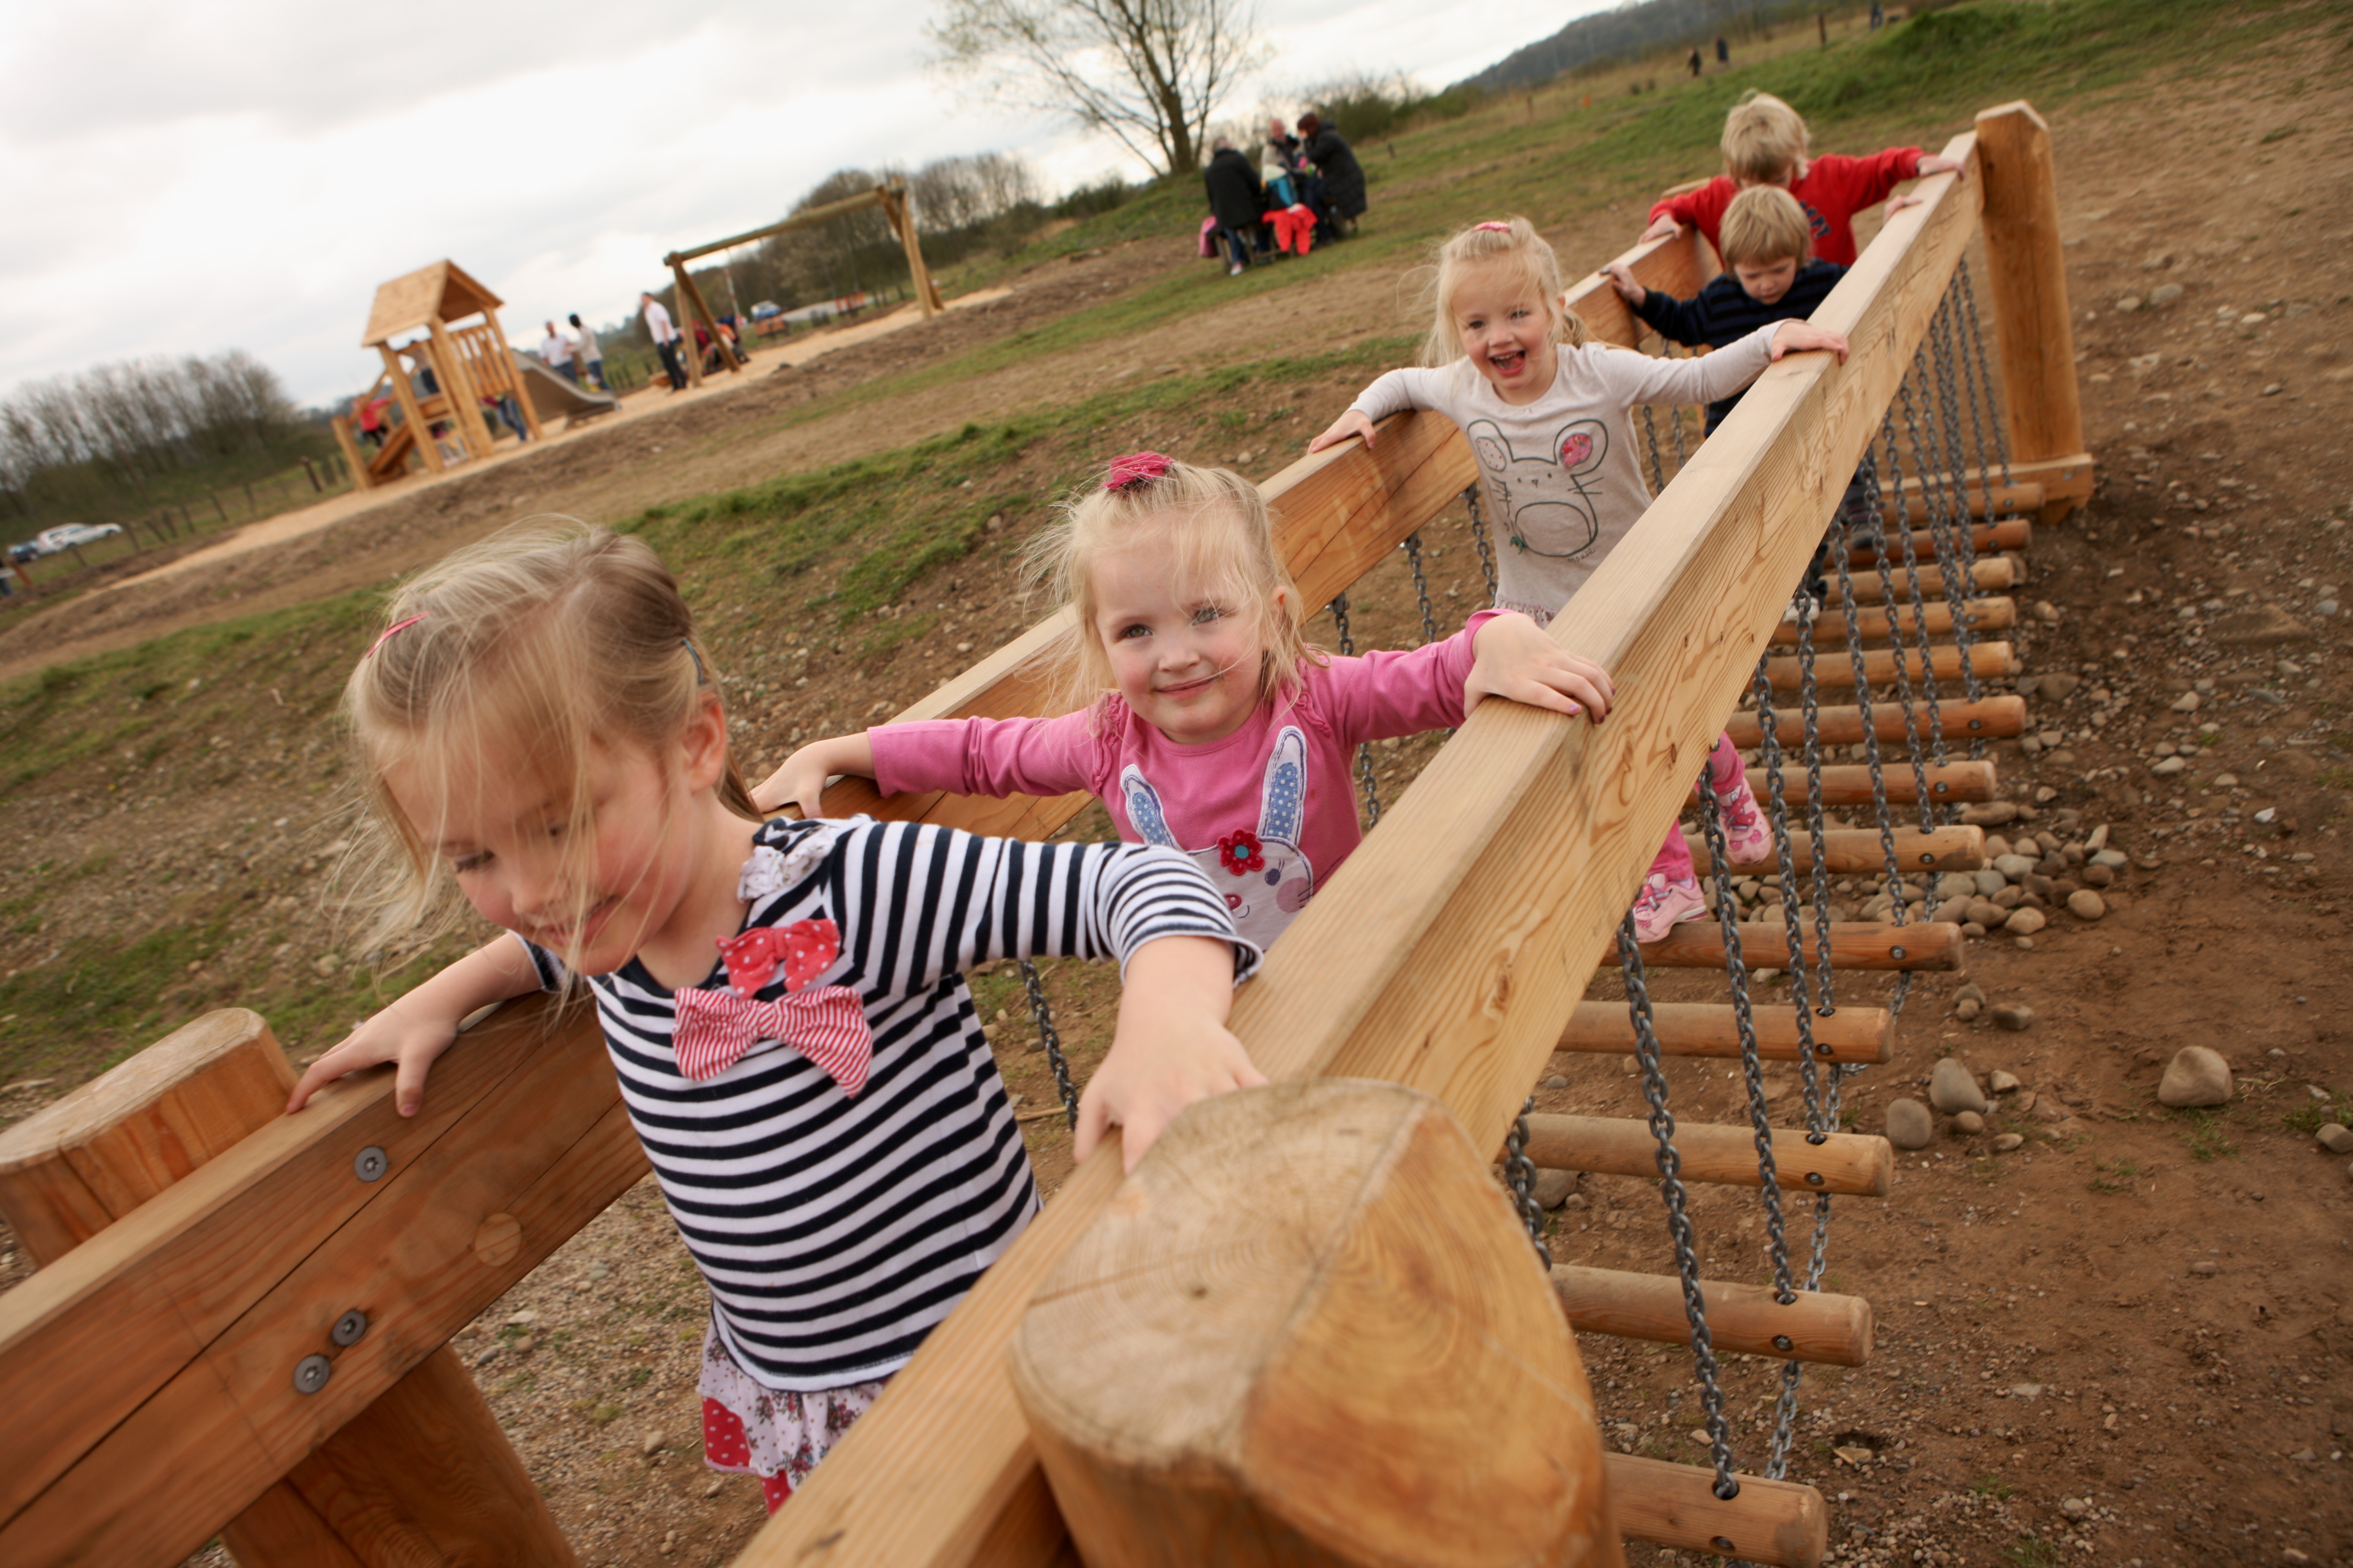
(370, 1164)
(1814, 1179)
(311, 1373)
(349, 1328)
(1895, 953)
(1781, 1341)
(1724, 1542)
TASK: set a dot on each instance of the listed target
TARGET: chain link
(1520, 1171)
(1339, 609)
(1650, 435)
(1870, 749)
(1891, 609)
(1985, 374)
(1412, 548)
(1043, 1011)
(1479, 537)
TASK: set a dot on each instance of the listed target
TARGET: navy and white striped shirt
(835, 1231)
(1724, 313)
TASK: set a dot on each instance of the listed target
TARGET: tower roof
(442, 292)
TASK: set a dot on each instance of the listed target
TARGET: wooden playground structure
(1308, 1329)
(897, 211)
(468, 363)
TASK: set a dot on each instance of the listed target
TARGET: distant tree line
(1608, 37)
(120, 437)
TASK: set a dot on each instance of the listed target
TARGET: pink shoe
(1662, 905)
(1748, 839)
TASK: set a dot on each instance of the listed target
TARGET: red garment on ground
(1294, 228)
(1833, 190)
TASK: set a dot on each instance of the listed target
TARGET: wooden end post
(2027, 276)
(900, 210)
(1309, 1330)
(424, 1473)
(457, 386)
(420, 433)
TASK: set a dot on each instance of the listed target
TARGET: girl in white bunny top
(1222, 733)
(1546, 411)
(783, 1001)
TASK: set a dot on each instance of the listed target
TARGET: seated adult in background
(1343, 178)
(1236, 201)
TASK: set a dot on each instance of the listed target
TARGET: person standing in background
(556, 350)
(1343, 178)
(665, 337)
(586, 355)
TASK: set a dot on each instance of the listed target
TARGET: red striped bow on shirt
(825, 1023)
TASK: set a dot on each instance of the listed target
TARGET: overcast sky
(188, 179)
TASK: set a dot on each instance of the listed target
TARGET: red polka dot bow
(826, 1023)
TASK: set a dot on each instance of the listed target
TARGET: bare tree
(1150, 72)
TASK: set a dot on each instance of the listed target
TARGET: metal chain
(1970, 390)
(1871, 751)
(1948, 410)
(1777, 811)
(1985, 375)
(1479, 537)
(1809, 706)
(1650, 435)
(1521, 1173)
(1043, 1011)
(1339, 609)
(1960, 576)
(1679, 1224)
(1752, 1067)
(1891, 609)
(1412, 548)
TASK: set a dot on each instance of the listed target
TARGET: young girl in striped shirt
(1546, 411)
(1201, 718)
(538, 727)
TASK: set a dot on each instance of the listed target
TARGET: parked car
(67, 536)
(765, 308)
(28, 550)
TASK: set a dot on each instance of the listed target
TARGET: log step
(1852, 849)
(1988, 660)
(1780, 1524)
(1826, 1329)
(1765, 944)
(1849, 1035)
(1983, 616)
(1858, 1164)
(1992, 574)
(2009, 533)
(1849, 784)
(1988, 719)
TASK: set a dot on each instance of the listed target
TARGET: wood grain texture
(2034, 482)
(1307, 1331)
(2008, 533)
(1998, 501)
(1988, 718)
(1849, 784)
(1778, 1524)
(1854, 1164)
(1819, 1326)
(1854, 944)
(1987, 661)
(420, 432)
(1848, 849)
(1991, 575)
(1851, 1035)
(2026, 280)
(1449, 949)
(1880, 626)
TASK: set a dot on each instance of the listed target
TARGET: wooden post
(424, 1475)
(459, 390)
(514, 374)
(2026, 273)
(420, 433)
(1309, 1330)
(349, 445)
(693, 290)
(899, 211)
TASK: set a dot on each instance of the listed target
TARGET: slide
(551, 395)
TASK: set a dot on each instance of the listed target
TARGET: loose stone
(2002, 1082)
(1909, 1125)
(1551, 1188)
(2017, 1017)
(1968, 1123)
(2337, 1138)
(2007, 1142)
(1952, 1088)
(2196, 1075)
(2025, 922)
(2086, 905)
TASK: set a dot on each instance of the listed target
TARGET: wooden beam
(1991, 575)
(1849, 784)
(2026, 276)
(1765, 944)
(1880, 626)
(1988, 718)
(1849, 1035)
(1307, 1333)
(1676, 265)
(693, 290)
(1998, 501)
(458, 387)
(817, 215)
(1451, 949)
(420, 432)
(514, 373)
(1852, 849)
(899, 209)
(1778, 1524)
(1749, 1319)
(2009, 533)
(1987, 660)
(1855, 1163)
(342, 423)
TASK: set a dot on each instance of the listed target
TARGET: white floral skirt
(776, 1434)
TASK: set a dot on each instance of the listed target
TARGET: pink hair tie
(396, 627)
(1495, 227)
(1134, 471)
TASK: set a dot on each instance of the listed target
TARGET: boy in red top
(1765, 144)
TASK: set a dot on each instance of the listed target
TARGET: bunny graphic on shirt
(1542, 498)
(1261, 871)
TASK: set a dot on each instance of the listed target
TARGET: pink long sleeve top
(1268, 812)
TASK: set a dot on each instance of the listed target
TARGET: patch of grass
(2315, 1114)
(597, 1412)
(2028, 1553)
(637, 1377)
(2115, 1176)
(1993, 1486)
(2208, 1140)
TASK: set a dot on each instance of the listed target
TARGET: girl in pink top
(1208, 724)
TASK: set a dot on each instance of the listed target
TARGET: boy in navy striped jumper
(1771, 276)
(784, 1004)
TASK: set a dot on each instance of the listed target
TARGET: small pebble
(2025, 920)
(2197, 1075)
(1969, 1122)
(1909, 1125)
(2205, 1265)
(1551, 1188)
(2017, 1017)
(1556, 1081)
(2086, 905)
(2337, 1138)
(1966, 1009)
(1951, 1087)
(523, 1344)
(2002, 1082)
(2007, 1142)
(653, 1442)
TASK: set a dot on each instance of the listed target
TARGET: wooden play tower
(431, 309)
(1308, 1330)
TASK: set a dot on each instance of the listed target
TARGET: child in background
(1765, 239)
(1222, 734)
(1765, 144)
(1546, 411)
(782, 1001)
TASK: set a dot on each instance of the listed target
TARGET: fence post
(2026, 273)
(424, 1475)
